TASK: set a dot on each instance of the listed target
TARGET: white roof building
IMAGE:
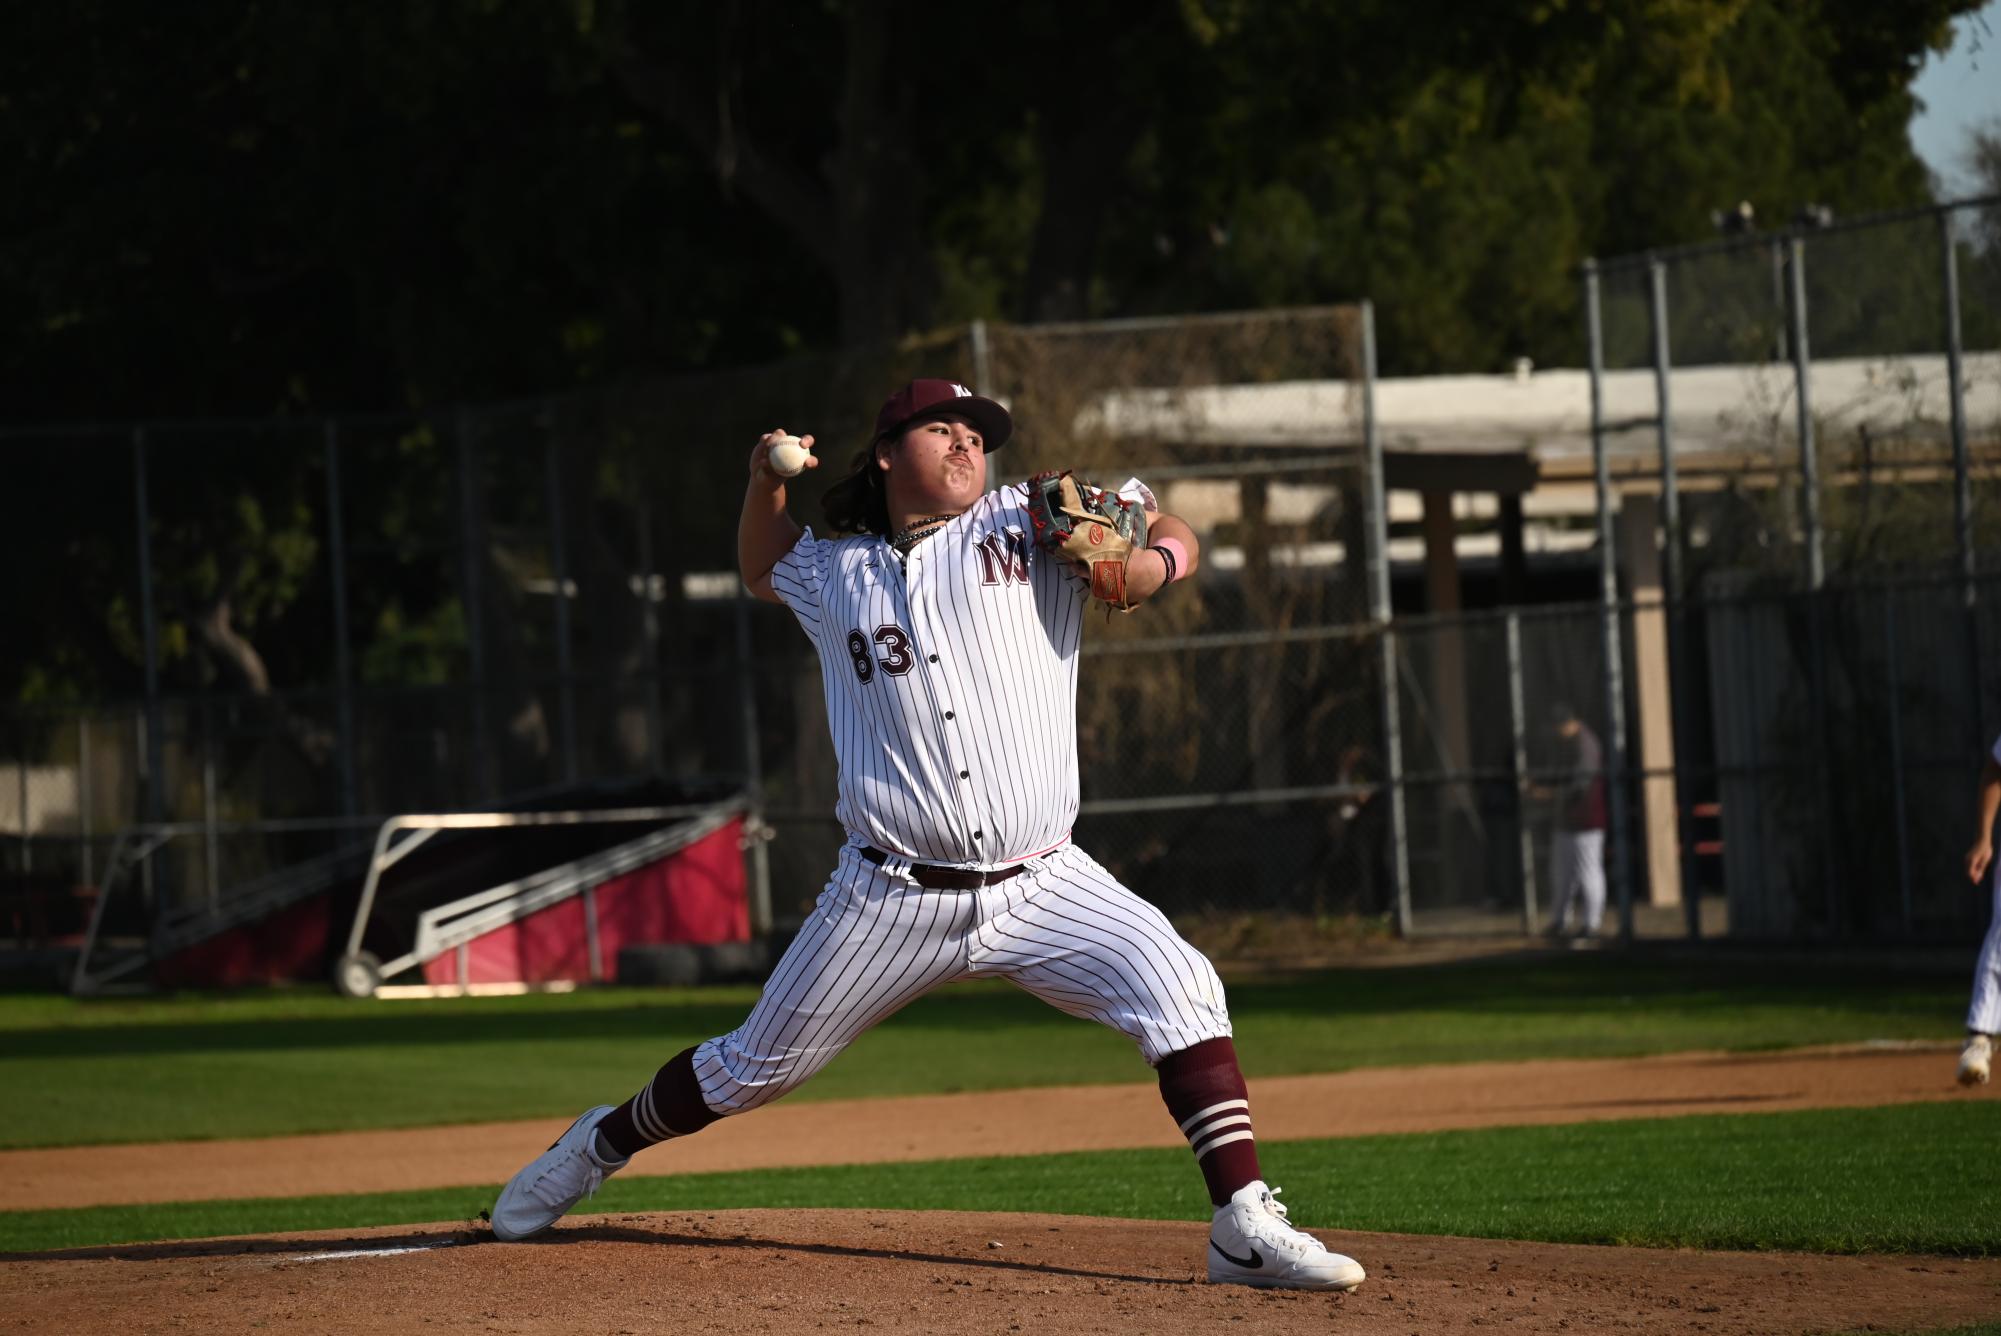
(1530, 433)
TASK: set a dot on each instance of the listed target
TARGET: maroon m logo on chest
(1003, 557)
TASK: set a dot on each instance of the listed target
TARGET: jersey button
(949, 714)
(934, 658)
(978, 833)
(965, 774)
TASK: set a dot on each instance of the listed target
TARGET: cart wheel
(357, 975)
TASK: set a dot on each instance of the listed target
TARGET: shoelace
(1276, 1207)
(593, 1179)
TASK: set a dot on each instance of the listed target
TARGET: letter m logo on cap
(961, 391)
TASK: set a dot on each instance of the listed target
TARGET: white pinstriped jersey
(951, 683)
(951, 696)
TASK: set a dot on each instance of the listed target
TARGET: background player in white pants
(948, 647)
(1577, 849)
(1983, 1014)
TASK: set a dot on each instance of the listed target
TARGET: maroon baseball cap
(921, 398)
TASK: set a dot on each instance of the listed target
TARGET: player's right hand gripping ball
(1094, 528)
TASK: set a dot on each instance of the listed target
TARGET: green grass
(1916, 1178)
(112, 1070)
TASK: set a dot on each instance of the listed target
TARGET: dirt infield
(796, 1271)
(1016, 1122)
(947, 1272)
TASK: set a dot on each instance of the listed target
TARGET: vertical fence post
(1380, 612)
(472, 560)
(1962, 485)
(649, 640)
(1518, 735)
(27, 849)
(1610, 640)
(1677, 641)
(150, 632)
(343, 651)
(753, 768)
(211, 844)
(1779, 350)
(1962, 481)
(559, 571)
(1816, 577)
(1893, 677)
(983, 361)
(1816, 569)
(86, 864)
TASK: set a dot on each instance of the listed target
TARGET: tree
(296, 208)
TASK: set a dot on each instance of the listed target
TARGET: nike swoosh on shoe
(1253, 1262)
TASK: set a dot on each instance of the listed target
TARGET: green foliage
(295, 207)
(295, 210)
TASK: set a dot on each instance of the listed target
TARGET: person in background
(1577, 848)
(1983, 1014)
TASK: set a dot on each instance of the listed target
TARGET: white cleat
(1976, 1060)
(554, 1181)
(1250, 1243)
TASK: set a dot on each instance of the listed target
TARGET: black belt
(935, 878)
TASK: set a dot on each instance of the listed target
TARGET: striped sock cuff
(1218, 1125)
(646, 1117)
(668, 1106)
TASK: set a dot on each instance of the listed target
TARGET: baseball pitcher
(948, 621)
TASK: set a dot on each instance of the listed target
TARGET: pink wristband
(1178, 567)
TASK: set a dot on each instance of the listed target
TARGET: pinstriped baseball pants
(1984, 1012)
(1063, 929)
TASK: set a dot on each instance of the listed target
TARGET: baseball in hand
(786, 456)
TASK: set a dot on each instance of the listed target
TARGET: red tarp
(291, 944)
(695, 895)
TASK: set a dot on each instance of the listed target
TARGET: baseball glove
(1095, 529)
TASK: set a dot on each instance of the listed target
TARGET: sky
(1960, 90)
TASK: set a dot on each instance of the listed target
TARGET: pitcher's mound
(733, 1272)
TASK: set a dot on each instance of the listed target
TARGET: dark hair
(858, 503)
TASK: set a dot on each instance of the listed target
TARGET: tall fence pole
(472, 563)
(1518, 736)
(150, 632)
(84, 802)
(753, 769)
(1380, 612)
(649, 639)
(27, 826)
(1779, 321)
(559, 571)
(343, 651)
(1893, 681)
(1962, 474)
(211, 841)
(1677, 635)
(1610, 639)
(1962, 482)
(1816, 566)
(983, 360)
(1816, 579)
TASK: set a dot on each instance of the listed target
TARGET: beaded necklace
(908, 536)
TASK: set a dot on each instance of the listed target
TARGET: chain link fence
(315, 625)
(1811, 606)
(1775, 626)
